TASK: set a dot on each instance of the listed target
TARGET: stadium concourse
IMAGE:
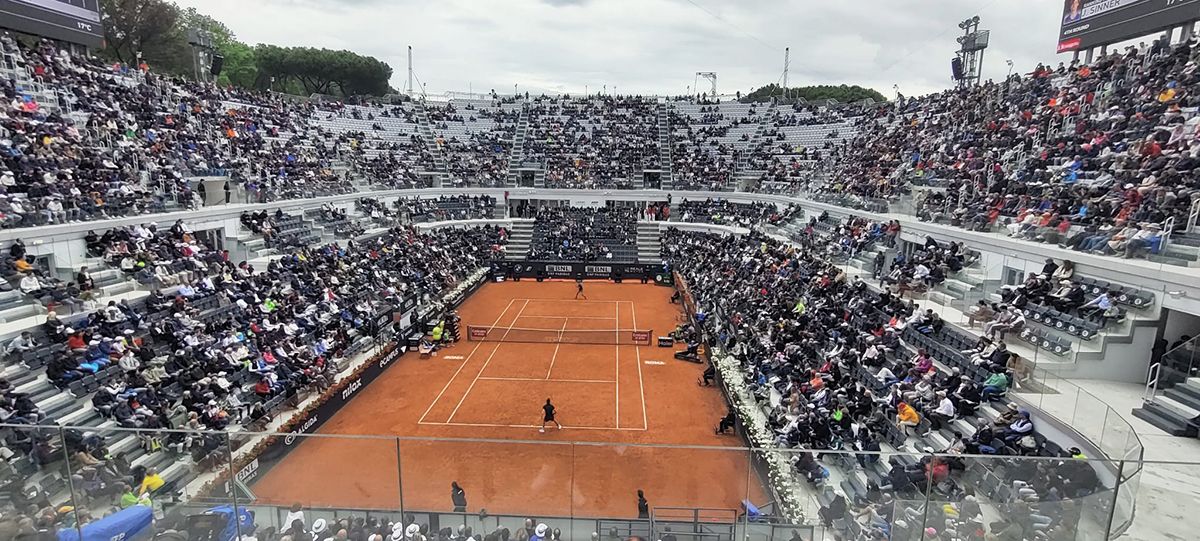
(894, 307)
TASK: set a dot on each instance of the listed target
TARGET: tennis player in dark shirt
(549, 416)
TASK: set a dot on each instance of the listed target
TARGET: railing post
(233, 480)
(1152, 383)
(62, 440)
(400, 479)
(928, 491)
(1112, 510)
(1193, 215)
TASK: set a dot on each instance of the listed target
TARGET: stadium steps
(424, 127)
(14, 306)
(519, 238)
(649, 242)
(1178, 254)
(1165, 419)
(1186, 239)
(664, 145)
(518, 146)
(1187, 393)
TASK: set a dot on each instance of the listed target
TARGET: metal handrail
(1152, 383)
(1193, 215)
(1168, 228)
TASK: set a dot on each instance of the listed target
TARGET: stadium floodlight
(712, 78)
(968, 59)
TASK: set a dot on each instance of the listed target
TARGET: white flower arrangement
(790, 491)
(454, 294)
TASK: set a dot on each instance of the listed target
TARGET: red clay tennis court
(607, 395)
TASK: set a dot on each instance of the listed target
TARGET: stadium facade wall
(1146, 274)
(1176, 288)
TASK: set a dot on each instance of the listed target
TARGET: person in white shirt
(54, 211)
(944, 412)
(30, 285)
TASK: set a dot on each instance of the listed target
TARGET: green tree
(160, 30)
(841, 93)
(241, 68)
(146, 26)
(321, 71)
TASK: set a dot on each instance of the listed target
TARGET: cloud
(653, 46)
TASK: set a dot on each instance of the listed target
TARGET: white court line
(567, 300)
(556, 345)
(461, 365)
(485, 365)
(489, 378)
(570, 317)
(494, 425)
(641, 386)
(617, 341)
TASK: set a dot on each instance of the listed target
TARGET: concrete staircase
(519, 238)
(743, 177)
(425, 128)
(14, 306)
(664, 145)
(1182, 251)
(649, 242)
(1176, 411)
(252, 246)
(518, 146)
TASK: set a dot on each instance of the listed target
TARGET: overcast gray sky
(654, 46)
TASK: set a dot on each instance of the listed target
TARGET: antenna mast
(410, 87)
(787, 62)
(712, 78)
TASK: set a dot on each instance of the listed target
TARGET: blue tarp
(123, 524)
(231, 528)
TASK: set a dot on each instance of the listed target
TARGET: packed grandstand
(344, 214)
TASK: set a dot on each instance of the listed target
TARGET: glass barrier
(71, 477)
(535, 480)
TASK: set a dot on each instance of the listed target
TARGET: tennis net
(615, 337)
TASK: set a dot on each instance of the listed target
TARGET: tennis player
(549, 416)
(579, 289)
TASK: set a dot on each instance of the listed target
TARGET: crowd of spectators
(390, 164)
(584, 234)
(118, 142)
(446, 207)
(217, 345)
(723, 211)
(926, 268)
(300, 525)
(1094, 157)
(478, 146)
(700, 160)
(833, 363)
(593, 142)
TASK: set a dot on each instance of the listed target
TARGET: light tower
(968, 60)
(712, 78)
